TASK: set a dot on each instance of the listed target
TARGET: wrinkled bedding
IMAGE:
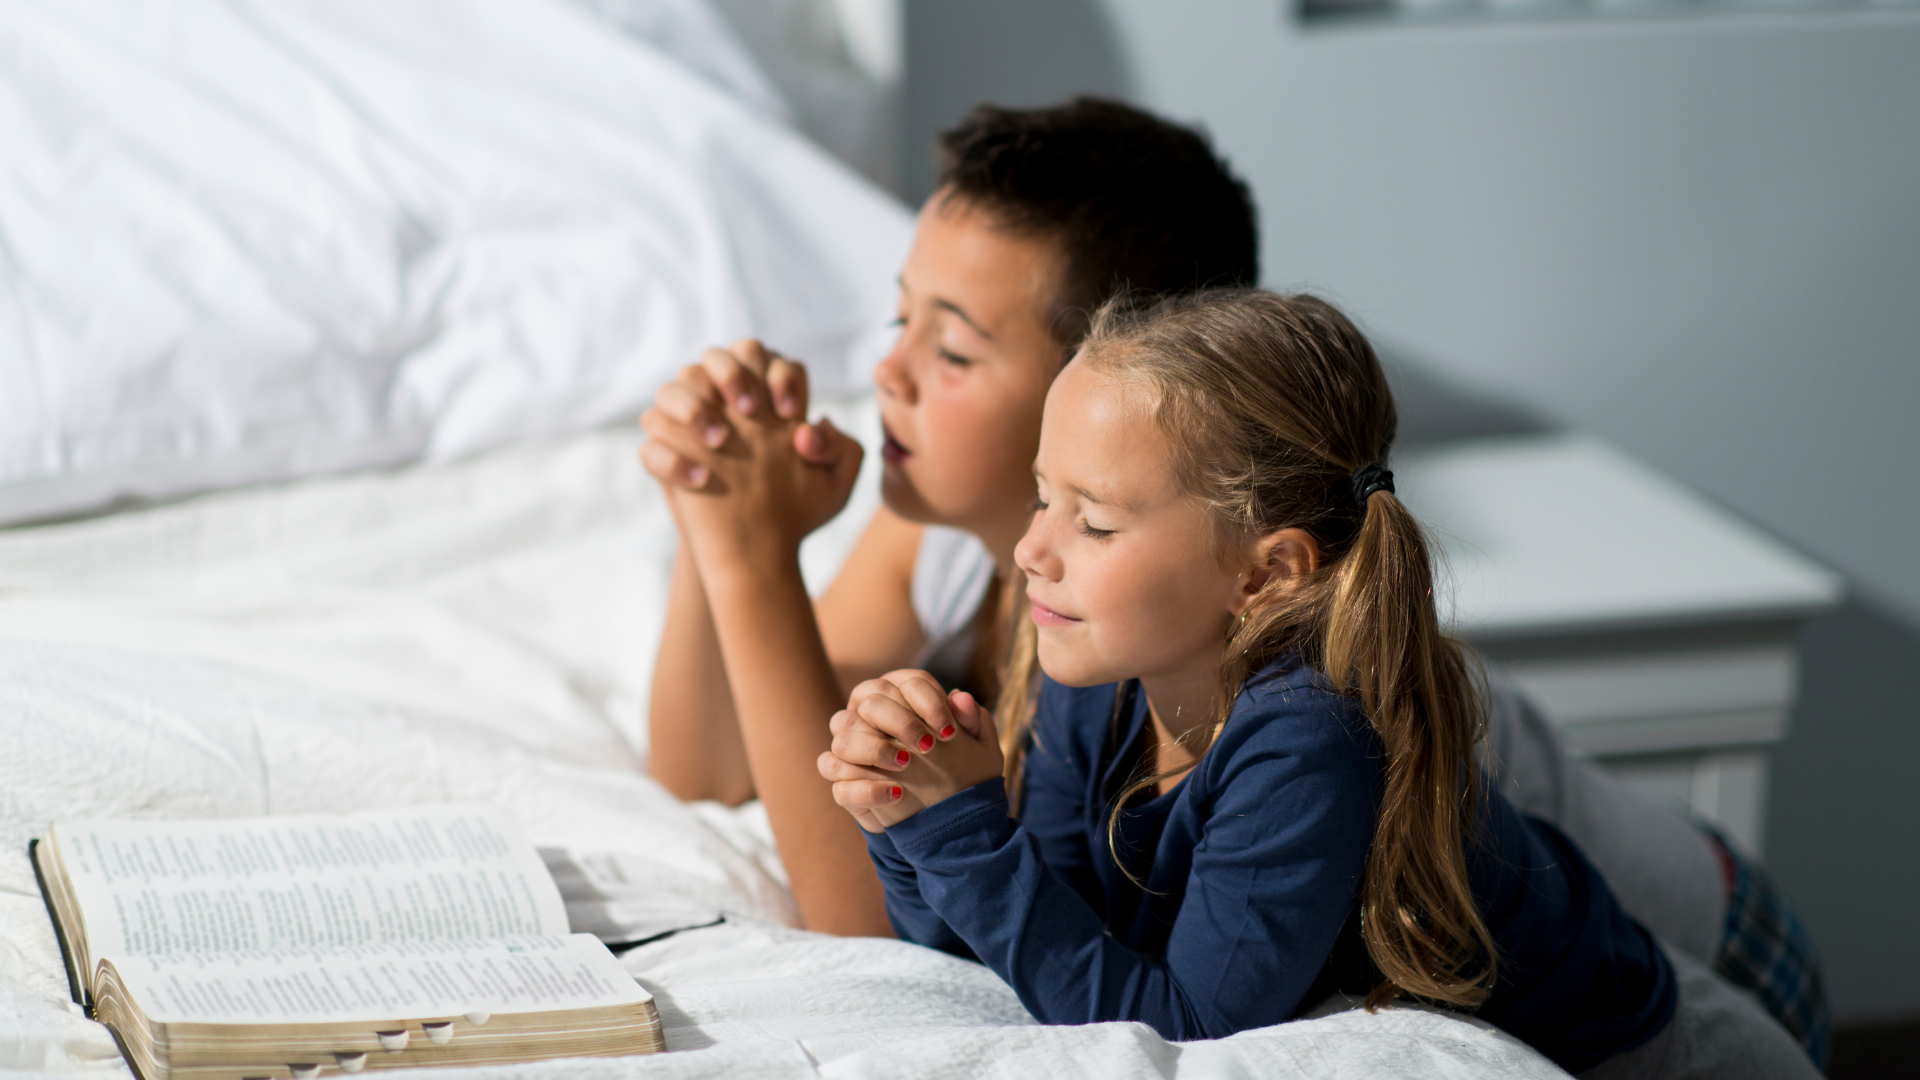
(483, 631)
(244, 241)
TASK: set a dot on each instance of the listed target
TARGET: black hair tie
(1368, 479)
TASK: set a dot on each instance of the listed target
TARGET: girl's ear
(1276, 558)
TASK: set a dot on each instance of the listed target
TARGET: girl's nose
(1034, 554)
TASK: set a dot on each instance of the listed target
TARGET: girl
(1249, 780)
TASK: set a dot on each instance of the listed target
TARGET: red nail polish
(897, 792)
(926, 743)
(947, 732)
(902, 758)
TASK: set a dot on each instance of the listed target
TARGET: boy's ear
(1277, 557)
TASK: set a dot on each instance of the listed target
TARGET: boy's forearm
(785, 691)
(694, 746)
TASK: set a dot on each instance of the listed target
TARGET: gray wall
(1697, 237)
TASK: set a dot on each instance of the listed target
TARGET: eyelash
(1085, 529)
(952, 358)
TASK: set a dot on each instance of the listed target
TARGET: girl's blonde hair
(1270, 404)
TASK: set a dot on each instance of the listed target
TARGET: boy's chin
(901, 497)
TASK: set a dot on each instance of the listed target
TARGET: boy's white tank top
(951, 575)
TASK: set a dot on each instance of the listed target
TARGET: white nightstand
(1658, 629)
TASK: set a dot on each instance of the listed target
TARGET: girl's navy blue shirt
(1252, 867)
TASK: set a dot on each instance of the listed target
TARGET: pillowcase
(242, 244)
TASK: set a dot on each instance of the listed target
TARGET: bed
(323, 330)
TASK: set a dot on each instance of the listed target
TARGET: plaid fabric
(1767, 952)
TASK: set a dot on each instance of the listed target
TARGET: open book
(297, 946)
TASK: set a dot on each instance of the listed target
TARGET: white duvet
(484, 631)
(251, 240)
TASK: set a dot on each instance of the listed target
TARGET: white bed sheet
(482, 631)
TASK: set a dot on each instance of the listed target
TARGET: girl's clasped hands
(903, 743)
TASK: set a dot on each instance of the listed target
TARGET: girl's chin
(1068, 668)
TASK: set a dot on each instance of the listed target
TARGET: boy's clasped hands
(744, 471)
(732, 431)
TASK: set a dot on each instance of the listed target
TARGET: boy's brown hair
(1139, 206)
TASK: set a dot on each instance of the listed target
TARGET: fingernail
(716, 435)
(744, 403)
(897, 792)
(947, 732)
(926, 743)
(697, 475)
(902, 758)
(789, 404)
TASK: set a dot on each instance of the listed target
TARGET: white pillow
(244, 243)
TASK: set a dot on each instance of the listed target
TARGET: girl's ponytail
(1383, 641)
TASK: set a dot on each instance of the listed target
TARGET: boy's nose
(892, 376)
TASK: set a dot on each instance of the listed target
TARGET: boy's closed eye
(899, 321)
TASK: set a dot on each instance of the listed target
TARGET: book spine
(76, 983)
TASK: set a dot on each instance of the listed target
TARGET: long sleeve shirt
(1251, 868)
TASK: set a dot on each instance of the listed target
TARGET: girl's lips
(1047, 617)
(891, 449)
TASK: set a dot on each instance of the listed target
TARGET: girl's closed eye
(955, 358)
(1087, 528)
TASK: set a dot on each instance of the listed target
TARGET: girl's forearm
(985, 878)
(907, 910)
(694, 745)
(785, 691)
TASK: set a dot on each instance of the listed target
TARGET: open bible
(302, 946)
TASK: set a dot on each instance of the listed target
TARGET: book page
(418, 874)
(382, 984)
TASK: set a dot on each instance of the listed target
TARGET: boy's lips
(892, 449)
(1045, 616)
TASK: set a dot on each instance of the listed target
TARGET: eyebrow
(1090, 496)
(1096, 497)
(948, 305)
